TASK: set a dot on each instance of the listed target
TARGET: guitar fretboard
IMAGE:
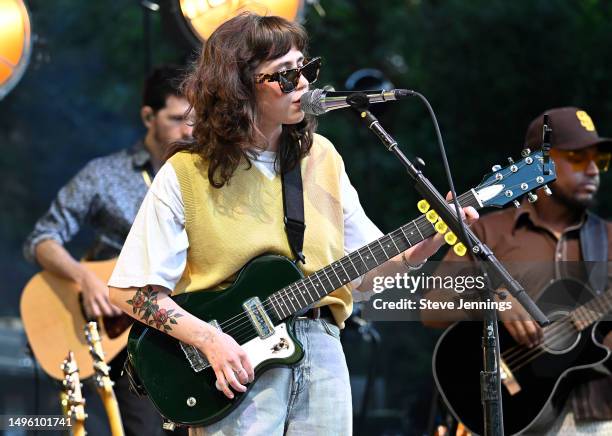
(592, 311)
(300, 295)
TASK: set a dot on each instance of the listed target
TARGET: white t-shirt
(155, 251)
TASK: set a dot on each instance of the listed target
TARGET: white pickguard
(277, 346)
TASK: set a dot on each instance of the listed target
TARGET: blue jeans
(312, 398)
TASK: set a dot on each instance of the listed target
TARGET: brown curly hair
(221, 91)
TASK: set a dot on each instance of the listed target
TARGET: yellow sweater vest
(229, 226)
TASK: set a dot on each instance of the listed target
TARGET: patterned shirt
(106, 195)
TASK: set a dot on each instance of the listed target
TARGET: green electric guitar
(259, 309)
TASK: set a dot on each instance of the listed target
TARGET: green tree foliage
(487, 67)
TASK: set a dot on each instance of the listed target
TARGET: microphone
(319, 101)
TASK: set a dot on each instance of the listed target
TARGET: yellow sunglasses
(580, 159)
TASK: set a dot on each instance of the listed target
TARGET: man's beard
(572, 202)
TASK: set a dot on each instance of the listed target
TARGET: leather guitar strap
(594, 246)
(293, 207)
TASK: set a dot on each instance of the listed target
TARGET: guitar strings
(322, 274)
(280, 293)
(559, 334)
(421, 223)
(418, 222)
(537, 351)
(512, 351)
(377, 252)
(593, 307)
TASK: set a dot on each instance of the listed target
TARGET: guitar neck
(78, 428)
(299, 295)
(103, 381)
(592, 311)
(73, 403)
(112, 410)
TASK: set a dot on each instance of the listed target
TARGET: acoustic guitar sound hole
(561, 336)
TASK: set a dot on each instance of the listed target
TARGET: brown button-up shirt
(535, 256)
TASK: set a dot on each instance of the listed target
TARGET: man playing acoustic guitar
(550, 239)
(105, 195)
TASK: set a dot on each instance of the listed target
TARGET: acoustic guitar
(54, 321)
(536, 381)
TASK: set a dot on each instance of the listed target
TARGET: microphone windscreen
(311, 102)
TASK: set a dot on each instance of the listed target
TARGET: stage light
(199, 18)
(15, 43)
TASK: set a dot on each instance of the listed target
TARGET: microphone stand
(490, 382)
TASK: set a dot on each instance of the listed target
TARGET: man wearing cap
(547, 240)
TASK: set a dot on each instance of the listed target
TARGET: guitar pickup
(259, 317)
(196, 359)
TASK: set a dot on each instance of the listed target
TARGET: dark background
(487, 66)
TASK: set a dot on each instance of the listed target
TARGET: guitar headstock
(498, 188)
(517, 179)
(73, 402)
(92, 336)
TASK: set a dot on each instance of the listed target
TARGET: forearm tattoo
(144, 304)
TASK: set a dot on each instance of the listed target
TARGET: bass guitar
(536, 381)
(259, 309)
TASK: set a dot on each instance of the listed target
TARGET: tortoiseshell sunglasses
(288, 79)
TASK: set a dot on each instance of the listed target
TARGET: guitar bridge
(196, 359)
(508, 380)
(259, 317)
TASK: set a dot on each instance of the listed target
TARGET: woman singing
(217, 203)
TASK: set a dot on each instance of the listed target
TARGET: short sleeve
(155, 251)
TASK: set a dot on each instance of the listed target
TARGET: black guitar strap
(293, 207)
(594, 246)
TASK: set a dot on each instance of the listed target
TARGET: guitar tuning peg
(496, 168)
(526, 152)
(450, 238)
(510, 160)
(516, 203)
(423, 206)
(532, 197)
(547, 190)
(460, 249)
(432, 216)
(441, 227)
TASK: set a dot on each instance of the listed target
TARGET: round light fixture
(15, 43)
(200, 18)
